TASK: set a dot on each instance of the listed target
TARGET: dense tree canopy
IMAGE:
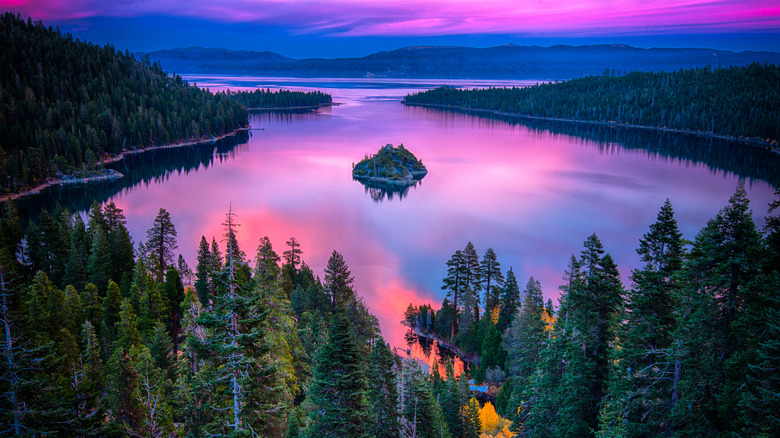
(734, 101)
(267, 99)
(686, 351)
(66, 104)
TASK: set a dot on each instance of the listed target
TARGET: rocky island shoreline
(394, 166)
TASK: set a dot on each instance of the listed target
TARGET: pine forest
(112, 333)
(101, 337)
(733, 101)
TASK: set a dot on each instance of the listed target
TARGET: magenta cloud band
(437, 17)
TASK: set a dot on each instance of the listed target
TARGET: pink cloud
(438, 17)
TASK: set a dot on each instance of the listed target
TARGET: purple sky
(329, 28)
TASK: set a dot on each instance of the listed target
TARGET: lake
(532, 192)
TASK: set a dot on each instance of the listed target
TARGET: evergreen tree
(216, 265)
(576, 366)
(151, 395)
(338, 389)
(139, 391)
(472, 276)
(292, 256)
(68, 102)
(161, 243)
(267, 269)
(491, 354)
(338, 281)
(715, 339)
(202, 273)
(122, 380)
(92, 306)
(492, 279)
(184, 269)
(282, 367)
(451, 402)
(510, 300)
(197, 381)
(422, 415)
(454, 284)
(382, 393)
(242, 369)
(646, 364)
(174, 292)
(120, 242)
(127, 333)
(39, 357)
(525, 338)
(112, 304)
(468, 335)
(472, 425)
(535, 408)
(95, 218)
(75, 271)
(153, 308)
(87, 406)
(759, 402)
(161, 350)
(99, 267)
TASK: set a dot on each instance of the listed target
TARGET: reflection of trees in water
(743, 160)
(148, 167)
(420, 347)
(379, 191)
(258, 118)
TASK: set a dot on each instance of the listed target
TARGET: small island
(394, 166)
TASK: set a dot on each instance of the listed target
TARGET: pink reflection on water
(531, 195)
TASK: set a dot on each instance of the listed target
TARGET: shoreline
(388, 181)
(469, 358)
(121, 156)
(285, 108)
(751, 141)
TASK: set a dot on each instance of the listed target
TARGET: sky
(345, 28)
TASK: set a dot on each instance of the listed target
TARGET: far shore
(756, 142)
(284, 108)
(107, 160)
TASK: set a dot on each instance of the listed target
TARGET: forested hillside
(688, 349)
(734, 101)
(101, 337)
(65, 104)
(279, 99)
(105, 337)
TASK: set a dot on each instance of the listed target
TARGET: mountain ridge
(508, 61)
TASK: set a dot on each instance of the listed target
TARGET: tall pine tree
(716, 339)
(643, 383)
(161, 243)
(338, 389)
(492, 279)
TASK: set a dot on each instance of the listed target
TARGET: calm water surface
(532, 195)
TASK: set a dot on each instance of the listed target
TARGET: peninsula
(390, 165)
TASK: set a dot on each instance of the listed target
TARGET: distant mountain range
(501, 62)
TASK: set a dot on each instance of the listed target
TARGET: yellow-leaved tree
(494, 425)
